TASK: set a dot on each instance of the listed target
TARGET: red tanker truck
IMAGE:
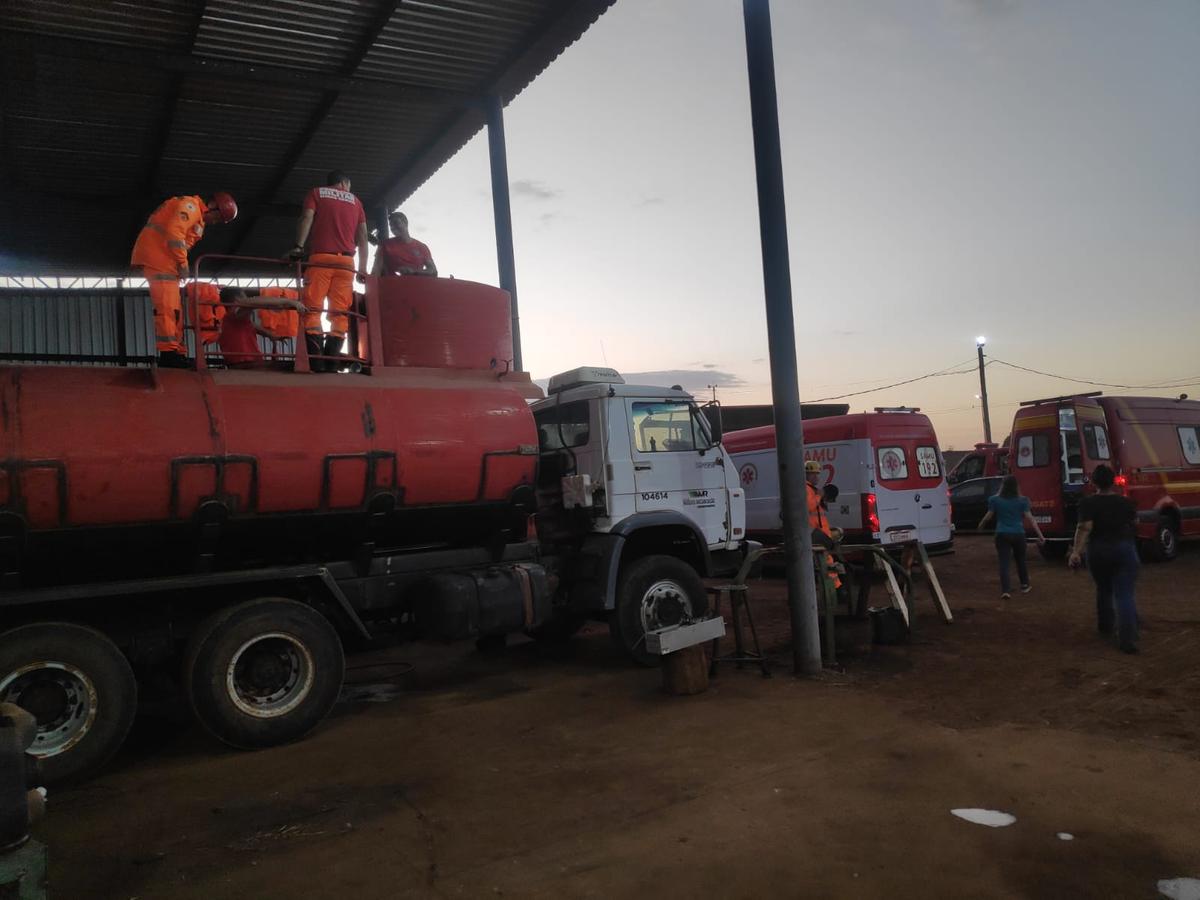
(243, 526)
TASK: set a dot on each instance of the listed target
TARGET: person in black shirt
(1107, 527)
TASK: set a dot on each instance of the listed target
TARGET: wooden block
(685, 671)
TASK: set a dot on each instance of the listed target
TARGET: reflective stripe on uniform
(180, 244)
(164, 277)
(154, 226)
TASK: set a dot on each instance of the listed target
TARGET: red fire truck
(1153, 444)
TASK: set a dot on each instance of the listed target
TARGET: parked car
(968, 501)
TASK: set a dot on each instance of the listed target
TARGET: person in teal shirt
(1011, 512)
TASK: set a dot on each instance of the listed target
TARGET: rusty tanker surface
(123, 473)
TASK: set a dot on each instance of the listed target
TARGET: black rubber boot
(315, 348)
(333, 347)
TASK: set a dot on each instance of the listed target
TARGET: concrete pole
(502, 212)
(781, 339)
(987, 420)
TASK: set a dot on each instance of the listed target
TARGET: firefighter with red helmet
(161, 255)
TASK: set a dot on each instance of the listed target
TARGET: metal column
(502, 210)
(781, 339)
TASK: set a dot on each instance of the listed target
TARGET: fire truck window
(665, 426)
(1095, 438)
(574, 431)
(971, 467)
(892, 463)
(1189, 440)
(1033, 451)
(927, 463)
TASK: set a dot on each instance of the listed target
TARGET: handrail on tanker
(301, 355)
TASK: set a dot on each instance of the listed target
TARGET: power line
(937, 374)
(1171, 383)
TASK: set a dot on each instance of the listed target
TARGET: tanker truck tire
(78, 686)
(264, 672)
(654, 592)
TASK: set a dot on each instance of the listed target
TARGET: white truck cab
(639, 473)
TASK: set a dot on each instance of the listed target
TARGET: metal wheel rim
(1166, 538)
(661, 593)
(268, 704)
(81, 703)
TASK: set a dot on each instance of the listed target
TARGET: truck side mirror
(712, 412)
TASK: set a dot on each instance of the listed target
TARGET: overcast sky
(1027, 171)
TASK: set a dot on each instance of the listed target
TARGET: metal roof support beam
(156, 144)
(383, 15)
(502, 211)
(20, 43)
(781, 339)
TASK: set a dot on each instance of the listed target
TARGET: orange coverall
(281, 323)
(819, 521)
(328, 275)
(161, 253)
(211, 309)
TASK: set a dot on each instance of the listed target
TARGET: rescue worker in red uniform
(818, 520)
(161, 256)
(333, 224)
(402, 254)
(240, 332)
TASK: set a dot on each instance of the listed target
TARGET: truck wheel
(78, 686)
(654, 592)
(264, 672)
(1164, 546)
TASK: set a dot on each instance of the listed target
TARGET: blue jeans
(1011, 546)
(1114, 566)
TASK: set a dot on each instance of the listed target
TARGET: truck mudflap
(594, 574)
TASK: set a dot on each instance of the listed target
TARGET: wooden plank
(894, 590)
(935, 586)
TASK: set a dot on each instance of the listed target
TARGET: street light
(987, 421)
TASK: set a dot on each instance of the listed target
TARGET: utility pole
(987, 420)
(781, 338)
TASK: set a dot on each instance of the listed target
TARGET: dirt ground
(568, 773)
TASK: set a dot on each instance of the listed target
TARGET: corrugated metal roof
(110, 106)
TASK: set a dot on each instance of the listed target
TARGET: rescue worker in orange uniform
(161, 255)
(333, 224)
(818, 520)
(212, 311)
(282, 324)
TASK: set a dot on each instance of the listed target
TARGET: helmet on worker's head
(222, 209)
(811, 466)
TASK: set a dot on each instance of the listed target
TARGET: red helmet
(221, 208)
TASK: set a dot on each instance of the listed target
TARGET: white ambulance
(887, 466)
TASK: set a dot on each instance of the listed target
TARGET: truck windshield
(666, 426)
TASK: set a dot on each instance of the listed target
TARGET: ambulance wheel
(263, 672)
(1164, 546)
(78, 686)
(654, 592)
